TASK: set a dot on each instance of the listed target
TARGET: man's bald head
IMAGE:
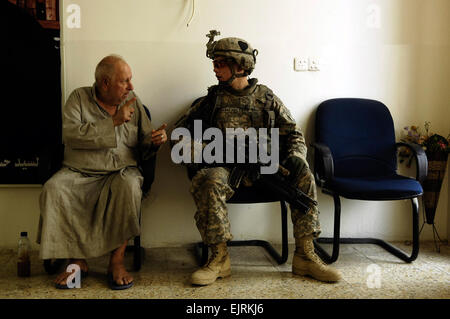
(113, 80)
(106, 68)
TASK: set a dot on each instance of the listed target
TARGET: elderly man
(91, 206)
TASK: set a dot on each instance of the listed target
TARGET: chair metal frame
(202, 249)
(336, 240)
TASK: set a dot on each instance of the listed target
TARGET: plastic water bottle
(23, 261)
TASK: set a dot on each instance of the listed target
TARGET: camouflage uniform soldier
(239, 102)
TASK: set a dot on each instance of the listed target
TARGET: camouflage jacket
(256, 106)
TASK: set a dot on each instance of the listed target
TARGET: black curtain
(30, 115)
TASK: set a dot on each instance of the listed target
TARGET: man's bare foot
(116, 268)
(119, 274)
(61, 279)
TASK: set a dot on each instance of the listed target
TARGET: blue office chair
(53, 163)
(356, 158)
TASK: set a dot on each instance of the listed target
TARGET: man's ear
(105, 83)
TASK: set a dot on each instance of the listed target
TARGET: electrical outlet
(313, 64)
(300, 64)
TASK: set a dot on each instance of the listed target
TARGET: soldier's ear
(238, 68)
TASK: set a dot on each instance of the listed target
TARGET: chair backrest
(149, 166)
(360, 134)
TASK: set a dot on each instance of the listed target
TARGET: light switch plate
(313, 64)
(300, 64)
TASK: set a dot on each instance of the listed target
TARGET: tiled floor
(368, 272)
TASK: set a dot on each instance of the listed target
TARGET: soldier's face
(222, 69)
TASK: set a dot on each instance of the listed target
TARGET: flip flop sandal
(115, 286)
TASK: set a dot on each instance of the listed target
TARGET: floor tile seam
(436, 267)
(270, 259)
(415, 265)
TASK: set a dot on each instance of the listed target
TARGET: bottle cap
(24, 234)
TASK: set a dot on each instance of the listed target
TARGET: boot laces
(214, 254)
(311, 255)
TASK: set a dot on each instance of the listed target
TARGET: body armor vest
(223, 109)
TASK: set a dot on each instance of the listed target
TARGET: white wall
(403, 61)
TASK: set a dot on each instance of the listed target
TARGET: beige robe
(92, 205)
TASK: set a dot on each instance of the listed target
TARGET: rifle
(277, 183)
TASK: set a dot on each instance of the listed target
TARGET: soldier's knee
(207, 186)
(209, 179)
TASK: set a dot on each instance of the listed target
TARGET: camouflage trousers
(211, 191)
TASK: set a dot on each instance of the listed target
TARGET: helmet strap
(233, 73)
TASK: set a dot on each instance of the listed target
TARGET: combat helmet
(236, 49)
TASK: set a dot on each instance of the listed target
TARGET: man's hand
(124, 113)
(159, 136)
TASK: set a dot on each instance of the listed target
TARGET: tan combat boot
(306, 262)
(218, 266)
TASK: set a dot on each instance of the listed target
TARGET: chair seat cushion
(376, 188)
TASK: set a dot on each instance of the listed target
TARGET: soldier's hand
(125, 113)
(295, 166)
(159, 136)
